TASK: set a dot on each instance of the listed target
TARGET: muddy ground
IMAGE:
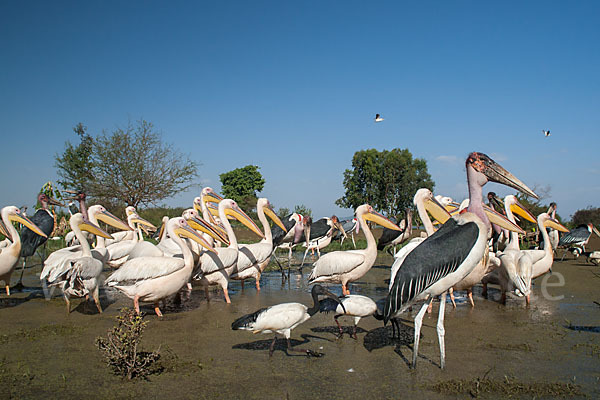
(551, 349)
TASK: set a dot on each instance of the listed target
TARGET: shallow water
(44, 352)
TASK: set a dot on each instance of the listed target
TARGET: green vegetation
(241, 185)
(585, 216)
(120, 347)
(387, 180)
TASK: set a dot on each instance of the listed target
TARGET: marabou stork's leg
(418, 323)
(451, 291)
(341, 334)
(272, 347)
(242, 284)
(441, 331)
(157, 310)
(207, 294)
(96, 296)
(484, 292)
(353, 241)
(393, 322)
(20, 283)
(304, 258)
(354, 331)
(470, 295)
(318, 252)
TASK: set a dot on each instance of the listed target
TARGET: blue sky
(293, 87)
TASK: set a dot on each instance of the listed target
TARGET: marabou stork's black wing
(347, 224)
(248, 320)
(31, 240)
(319, 229)
(576, 235)
(278, 233)
(438, 256)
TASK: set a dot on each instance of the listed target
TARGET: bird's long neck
(100, 243)
(367, 232)
(547, 245)
(513, 243)
(85, 246)
(425, 217)
(476, 198)
(188, 258)
(265, 223)
(230, 234)
(315, 308)
(16, 239)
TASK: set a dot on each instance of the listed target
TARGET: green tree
(283, 212)
(386, 179)
(535, 206)
(303, 210)
(585, 216)
(130, 166)
(242, 184)
(75, 166)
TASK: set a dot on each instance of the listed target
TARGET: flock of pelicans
(201, 247)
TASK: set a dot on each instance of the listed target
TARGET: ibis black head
(319, 290)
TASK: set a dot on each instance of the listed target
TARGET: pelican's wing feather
(335, 263)
(143, 268)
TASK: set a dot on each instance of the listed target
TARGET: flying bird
(378, 118)
(546, 133)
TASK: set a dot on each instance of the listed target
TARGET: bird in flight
(546, 133)
(378, 118)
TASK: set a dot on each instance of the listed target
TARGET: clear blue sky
(293, 87)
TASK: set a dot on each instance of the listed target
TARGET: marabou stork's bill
(354, 305)
(282, 318)
(78, 275)
(44, 220)
(151, 279)
(450, 254)
(216, 268)
(348, 266)
(253, 258)
(9, 255)
(579, 236)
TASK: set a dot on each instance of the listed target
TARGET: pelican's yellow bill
(203, 226)
(244, 219)
(139, 220)
(437, 211)
(27, 222)
(501, 220)
(187, 231)
(518, 209)
(113, 221)
(274, 218)
(94, 229)
(554, 224)
(381, 220)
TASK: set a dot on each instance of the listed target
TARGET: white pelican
(78, 275)
(450, 254)
(253, 258)
(9, 256)
(513, 269)
(543, 259)
(553, 233)
(353, 305)
(216, 268)
(348, 266)
(151, 279)
(282, 318)
(119, 252)
(95, 213)
(126, 234)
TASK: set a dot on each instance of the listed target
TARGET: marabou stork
(9, 255)
(151, 279)
(348, 266)
(321, 242)
(450, 254)
(353, 305)
(393, 237)
(349, 225)
(282, 318)
(80, 274)
(30, 241)
(579, 236)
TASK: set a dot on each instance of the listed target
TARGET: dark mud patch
(40, 332)
(507, 388)
(282, 345)
(509, 346)
(582, 328)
